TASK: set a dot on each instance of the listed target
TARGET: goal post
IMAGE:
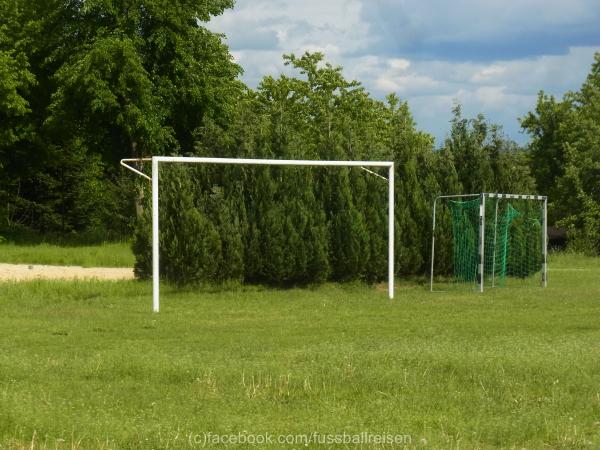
(154, 178)
(489, 239)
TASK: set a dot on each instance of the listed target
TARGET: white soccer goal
(156, 160)
(489, 239)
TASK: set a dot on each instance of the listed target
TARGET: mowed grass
(103, 255)
(88, 365)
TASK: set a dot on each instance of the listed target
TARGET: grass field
(103, 255)
(87, 365)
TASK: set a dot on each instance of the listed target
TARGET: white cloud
(488, 73)
(399, 64)
(297, 26)
(492, 56)
(502, 90)
(406, 83)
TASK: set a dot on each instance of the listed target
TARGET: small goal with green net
(489, 240)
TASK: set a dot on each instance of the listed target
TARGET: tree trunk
(139, 190)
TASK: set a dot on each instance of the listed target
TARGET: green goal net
(465, 232)
(513, 240)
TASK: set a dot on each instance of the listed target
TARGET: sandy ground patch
(24, 272)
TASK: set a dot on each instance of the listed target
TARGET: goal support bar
(156, 160)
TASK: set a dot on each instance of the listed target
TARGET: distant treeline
(84, 84)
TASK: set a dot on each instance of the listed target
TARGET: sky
(491, 56)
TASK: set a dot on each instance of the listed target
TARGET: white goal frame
(156, 160)
(481, 237)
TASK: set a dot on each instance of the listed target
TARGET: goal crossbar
(155, 160)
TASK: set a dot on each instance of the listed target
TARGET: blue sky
(491, 56)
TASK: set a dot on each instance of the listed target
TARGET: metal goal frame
(154, 178)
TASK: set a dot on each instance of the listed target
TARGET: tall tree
(484, 159)
(415, 186)
(466, 143)
(144, 74)
(114, 79)
(16, 81)
(565, 150)
(547, 150)
(578, 200)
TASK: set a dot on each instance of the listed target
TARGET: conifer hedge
(286, 226)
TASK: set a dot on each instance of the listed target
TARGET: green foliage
(224, 214)
(71, 194)
(191, 248)
(307, 225)
(565, 155)
(484, 159)
(15, 83)
(416, 185)
(15, 79)
(84, 84)
(475, 158)
(108, 84)
(467, 144)
(547, 152)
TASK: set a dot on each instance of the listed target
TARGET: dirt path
(24, 272)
